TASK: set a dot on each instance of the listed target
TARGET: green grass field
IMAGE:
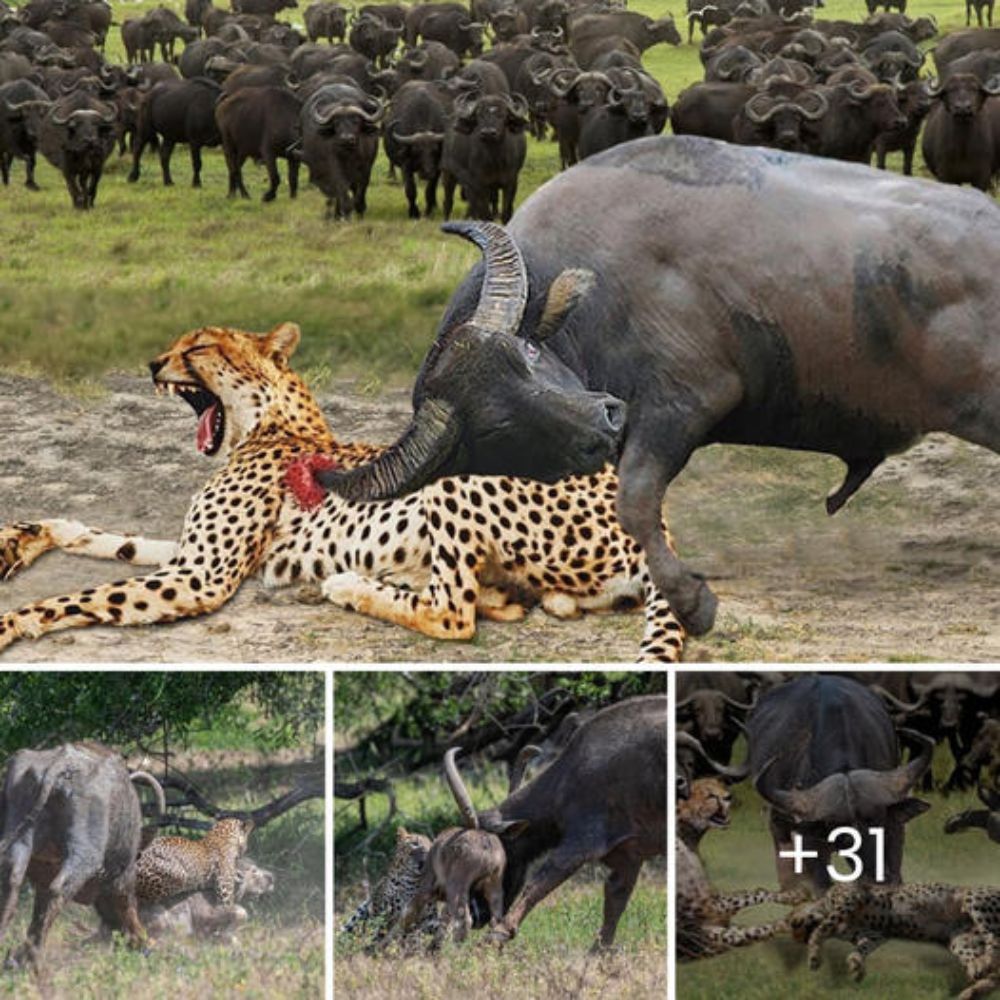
(85, 293)
(547, 960)
(742, 857)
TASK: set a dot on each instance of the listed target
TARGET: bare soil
(910, 570)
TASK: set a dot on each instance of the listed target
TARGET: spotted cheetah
(426, 561)
(965, 919)
(178, 866)
(703, 915)
(391, 896)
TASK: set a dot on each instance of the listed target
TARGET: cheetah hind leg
(495, 605)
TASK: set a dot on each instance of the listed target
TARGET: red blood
(300, 480)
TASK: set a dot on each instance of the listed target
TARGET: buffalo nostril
(614, 414)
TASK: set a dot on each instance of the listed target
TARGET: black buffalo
(961, 143)
(413, 134)
(339, 144)
(177, 112)
(76, 137)
(260, 123)
(880, 344)
(325, 19)
(823, 753)
(483, 153)
(22, 108)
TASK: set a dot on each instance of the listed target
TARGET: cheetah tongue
(206, 429)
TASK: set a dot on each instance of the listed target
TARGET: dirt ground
(910, 570)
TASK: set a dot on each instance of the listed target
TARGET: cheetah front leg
(728, 904)
(23, 542)
(663, 635)
(446, 607)
(176, 591)
(722, 939)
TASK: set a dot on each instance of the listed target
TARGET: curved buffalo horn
(459, 791)
(148, 779)
(896, 703)
(413, 461)
(525, 756)
(631, 74)
(417, 58)
(728, 772)
(684, 702)
(860, 90)
(109, 115)
(542, 76)
(59, 118)
(373, 117)
(505, 285)
(418, 456)
(517, 105)
(733, 703)
(992, 87)
(563, 73)
(465, 103)
(822, 104)
(415, 137)
(933, 88)
(762, 108)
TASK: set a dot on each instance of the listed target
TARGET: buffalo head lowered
(482, 380)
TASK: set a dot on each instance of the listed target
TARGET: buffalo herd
(454, 92)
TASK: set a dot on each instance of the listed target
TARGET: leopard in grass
(428, 561)
(383, 908)
(178, 866)
(966, 919)
(703, 915)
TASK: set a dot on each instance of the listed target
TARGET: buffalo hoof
(132, 177)
(268, 196)
(498, 936)
(695, 605)
(32, 186)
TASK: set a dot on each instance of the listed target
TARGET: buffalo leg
(12, 872)
(430, 196)
(195, 165)
(360, 197)
(273, 177)
(293, 176)
(509, 194)
(166, 151)
(29, 166)
(95, 179)
(618, 888)
(449, 193)
(5, 161)
(410, 188)
(643, 479)
(117, 908)
(558, 867)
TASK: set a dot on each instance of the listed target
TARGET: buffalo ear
(565, 293)
(281, 342)
(510, 828)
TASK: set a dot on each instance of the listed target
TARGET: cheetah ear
(564, 295)
(281, 342)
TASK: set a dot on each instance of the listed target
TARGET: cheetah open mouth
(209, 409)
(719, 819)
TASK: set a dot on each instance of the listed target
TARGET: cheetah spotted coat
(965, 919)
(426, 561)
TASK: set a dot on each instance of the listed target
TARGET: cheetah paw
(855, 967)
(342, 589)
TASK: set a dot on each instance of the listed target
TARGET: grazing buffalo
(483, 154)
(604, 798)
(173, 112)
(592, 35)
(261, 123)
(76, 137)
(339, 144)
(70, 822)
(884, 340)
(413, 134)
(823, 753)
